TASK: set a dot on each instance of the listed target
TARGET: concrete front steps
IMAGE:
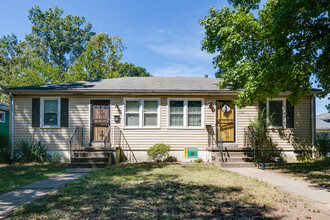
(90, 157)
(234, 157)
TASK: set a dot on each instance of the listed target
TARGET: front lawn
(18, 175)
(315, 172)
(153, 191)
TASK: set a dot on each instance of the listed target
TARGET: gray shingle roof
(320, 124)
(129, 84)
(324, 116)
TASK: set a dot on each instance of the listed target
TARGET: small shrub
(4, 148)
(158, 152)
(265, 148)
(323, 143)
(171, 159)
(31, 151)
(199, 160)
(57, 157)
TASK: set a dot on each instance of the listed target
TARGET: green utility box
(190, 152)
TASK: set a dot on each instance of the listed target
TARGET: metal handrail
(221, 144)
(107, 138)
(76, 131)
(117, 140)
(126, 142)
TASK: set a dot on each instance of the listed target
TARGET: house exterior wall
(4, 126)
(140, 139)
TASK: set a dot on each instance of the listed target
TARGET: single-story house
(4, 118)
(187, 113)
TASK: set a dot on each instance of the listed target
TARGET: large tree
(130, 70)
(59, 49)
(58, 40)
(98, 60)
(281, 49)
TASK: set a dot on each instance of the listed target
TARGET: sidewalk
(287, 183)
(26, 194)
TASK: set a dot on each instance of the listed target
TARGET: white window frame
(185, 113)
(4, 117)
(42, 104)
(141, 112)
(283, 113)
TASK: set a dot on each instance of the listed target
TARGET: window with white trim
(185, 113)
(141, 113)
(2, 117)
(276, 111)
(50, 112)
(150, 113)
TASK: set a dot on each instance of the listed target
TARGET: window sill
(186, 128)
(141, 128)
(46, 127)
(277, 128)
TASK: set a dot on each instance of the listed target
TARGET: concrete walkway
(287, 183)
(26, 194)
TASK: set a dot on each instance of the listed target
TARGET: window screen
(176, 113)
(194, 113)
(132, 113)
(150, 113)
(276, 113)
(51, 112)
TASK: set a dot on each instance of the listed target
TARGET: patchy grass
(153, 191)
(316, 172)
(16, 175)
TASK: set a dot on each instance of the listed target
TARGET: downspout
(12, 99)
(313, 125)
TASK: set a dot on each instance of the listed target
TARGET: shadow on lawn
(17, 175)
(316, 172)
(125, 192)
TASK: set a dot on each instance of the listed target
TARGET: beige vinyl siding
(53, 138)
(143, 138)
(300, 137)
(288, 139)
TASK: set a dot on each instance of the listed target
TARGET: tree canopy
(61, 49)
(130, 70)
(279, 50)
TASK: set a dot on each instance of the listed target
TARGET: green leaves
(130, 70)
(98, 60)
(57, 40)
(277, 51)
(61, 49)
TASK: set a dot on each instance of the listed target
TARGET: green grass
(17, 175)
(149, 191)
(316, 172)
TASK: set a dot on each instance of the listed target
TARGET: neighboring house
(323, 122)
(4, 118)
(179, 111)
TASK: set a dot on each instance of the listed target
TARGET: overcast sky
(162, 36)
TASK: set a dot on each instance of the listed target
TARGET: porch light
(210, 104)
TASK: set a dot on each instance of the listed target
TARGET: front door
(226, 121)
(100, 119)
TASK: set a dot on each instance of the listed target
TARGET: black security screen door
(100, 119)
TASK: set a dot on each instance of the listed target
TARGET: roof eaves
(102, 91)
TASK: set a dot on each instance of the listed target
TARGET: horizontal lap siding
(301, 135)
(53, 138)
(79, 115)
(244, 117)
(177, 138)
(286, 139)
